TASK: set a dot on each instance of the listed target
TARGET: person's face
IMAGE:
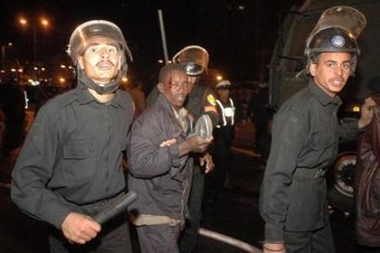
(101, 60)
(192, 81)
(331, 71)
(223, 93)
(176, 88)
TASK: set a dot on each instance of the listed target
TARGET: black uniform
(201, 100)
(71, 161)
(293, 195)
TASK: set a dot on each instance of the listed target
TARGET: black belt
(95, 207)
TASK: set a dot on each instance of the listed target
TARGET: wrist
(273, 247)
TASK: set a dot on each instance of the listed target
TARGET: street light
(40, 22)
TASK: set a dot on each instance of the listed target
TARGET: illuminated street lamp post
(41, 22)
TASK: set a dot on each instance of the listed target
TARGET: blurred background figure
(137, 92)
(261, 118)
(14, 103)
(13, 100)
(224, 134)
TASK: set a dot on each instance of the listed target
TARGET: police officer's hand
(195, 144)
(207, 162)
(366, 114)
(79, 228)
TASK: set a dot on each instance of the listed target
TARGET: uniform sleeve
(288, 139)
(34, 168)
(209, 106)
(146, 158)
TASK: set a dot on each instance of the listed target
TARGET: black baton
(116, 207)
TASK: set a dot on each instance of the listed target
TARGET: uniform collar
(322, 97)
(84, 97)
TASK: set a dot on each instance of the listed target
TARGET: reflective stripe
(227, 112)
(210, 108)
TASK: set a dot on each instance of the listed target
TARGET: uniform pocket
(78, 160)
(306, 205)
(320, 150)
(322, 140)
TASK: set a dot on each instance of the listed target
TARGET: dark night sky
(239, 41)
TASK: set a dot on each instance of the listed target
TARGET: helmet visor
(344, 17)
(193, 58)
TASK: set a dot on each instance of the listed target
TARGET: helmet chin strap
(86, 82)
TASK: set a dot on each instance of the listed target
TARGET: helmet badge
(338, 41)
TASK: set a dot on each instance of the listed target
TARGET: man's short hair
(166, 70)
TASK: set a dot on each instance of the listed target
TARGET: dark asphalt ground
(233, 212)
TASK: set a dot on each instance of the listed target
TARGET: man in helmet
(305, 141)
(69, 168)
(201, 100)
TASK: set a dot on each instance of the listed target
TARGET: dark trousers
(318, 241)
(221, 157)
(113, 238)
(158, 238)
(189, 236)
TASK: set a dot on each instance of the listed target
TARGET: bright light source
(356, 108)
(219, 77)
(124, 79)
(44, 22)
(23, 21)
(34, 82)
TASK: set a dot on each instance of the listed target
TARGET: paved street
(232, 213)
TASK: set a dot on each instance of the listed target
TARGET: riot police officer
(70, 166)
(305, 140)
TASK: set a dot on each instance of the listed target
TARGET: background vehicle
(288, 60)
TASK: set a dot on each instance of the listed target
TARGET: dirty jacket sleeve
(147, 159)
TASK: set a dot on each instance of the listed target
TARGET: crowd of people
(70, 167)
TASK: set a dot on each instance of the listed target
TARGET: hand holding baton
(116, 207)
